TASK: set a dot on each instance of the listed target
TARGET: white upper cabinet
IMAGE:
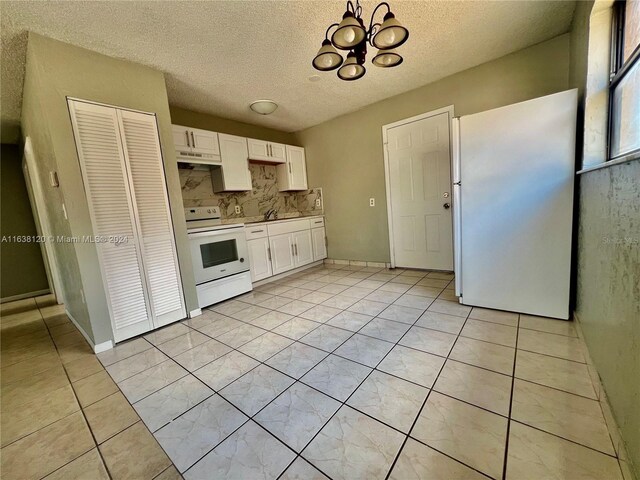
(292, 175)
(266, 151)
(196, 146)
(204, 141)
(278, 152)
(233, 153)
(233, 174)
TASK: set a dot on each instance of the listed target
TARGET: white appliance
(513, 171)
(219, 254)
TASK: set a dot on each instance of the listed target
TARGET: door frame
(42, 221)
(387, 182)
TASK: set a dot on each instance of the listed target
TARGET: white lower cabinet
(259, 258)
(279, 247)
(282, 255)
(319, 238)
(302, 247)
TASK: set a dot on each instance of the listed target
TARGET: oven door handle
(226, 231)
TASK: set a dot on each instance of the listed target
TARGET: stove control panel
(202, 213)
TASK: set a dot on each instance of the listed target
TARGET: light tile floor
(338, 372)
(63, 417)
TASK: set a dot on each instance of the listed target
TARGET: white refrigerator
(513, 174)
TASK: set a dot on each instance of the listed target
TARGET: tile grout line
(293, 341)
(86, 420)
(295, 381)
(415, 420)
(513, 382)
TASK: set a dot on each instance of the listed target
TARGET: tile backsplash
(197, 190)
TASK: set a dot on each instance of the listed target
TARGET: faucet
(271, 213)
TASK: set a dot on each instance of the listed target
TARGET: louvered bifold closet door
(144, 160)
(104, 173)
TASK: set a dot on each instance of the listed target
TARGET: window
(624, 87)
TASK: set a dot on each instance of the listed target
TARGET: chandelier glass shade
(351, 35)
(327, 58)
(351, 70)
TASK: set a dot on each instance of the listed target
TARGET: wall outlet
(372, 202)
(317, 203)
(238, 209)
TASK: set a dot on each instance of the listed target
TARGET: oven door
(218, 254)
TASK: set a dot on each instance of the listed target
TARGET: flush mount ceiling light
(350, 34)
(264, 107)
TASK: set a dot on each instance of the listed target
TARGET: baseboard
(101, 347)
(619, 445)
(195, 313)
(286, 274)
(357, 263)
(22, 296)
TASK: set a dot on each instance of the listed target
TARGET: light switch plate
(237, 209)
(53, 179)
(372, 202)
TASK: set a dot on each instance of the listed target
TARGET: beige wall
(608, 258)
(608, 289)
(345, 156)
(189, 118)
(56, 70)
(22, 269)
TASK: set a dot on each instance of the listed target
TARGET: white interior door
(148, 186)
(104, 173)
(419, 192)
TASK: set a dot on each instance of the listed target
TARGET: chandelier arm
(373, 29)
(370, 32)
(326, 34)
(351, 8)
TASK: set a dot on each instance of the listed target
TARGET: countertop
(257, 220)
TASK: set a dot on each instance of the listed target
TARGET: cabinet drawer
(289, 227)
(317, 222)
(255, 231)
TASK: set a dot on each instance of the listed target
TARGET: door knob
(446, 206)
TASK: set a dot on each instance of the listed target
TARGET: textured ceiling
(219, 56)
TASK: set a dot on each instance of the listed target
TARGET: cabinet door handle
(296, 249)
(289, 168)
(193, 140)
(293, 253)
(319, 221)
(256, 231)
(187, 134)
(269, 253)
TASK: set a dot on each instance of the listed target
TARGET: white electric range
(219, 255)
